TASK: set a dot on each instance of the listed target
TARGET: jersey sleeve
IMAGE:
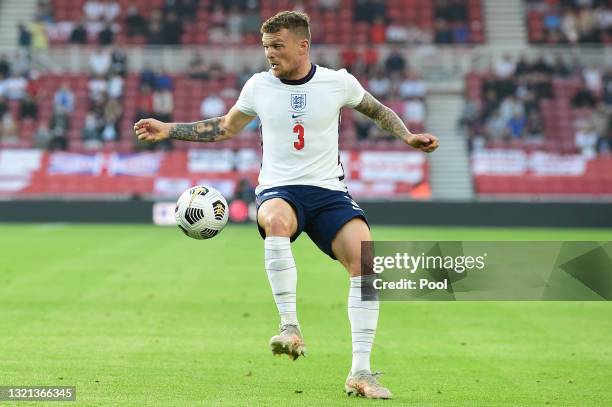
(353, 90)
(246, 100)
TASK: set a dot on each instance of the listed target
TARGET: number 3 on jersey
(299, 129)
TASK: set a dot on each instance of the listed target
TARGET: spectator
(583, 97)
(496, 126)
(135, 23)
(78, 34)
(442, 32)
(39, 36)
(42, 136)
(470, 113)
(511, 107)
(412, 86)
(28, 107)
(98, 87)
(586, 141)
(106, 36)
(212, 106)
(534, 130)
(163, 105)
(115, 87)
(112, 116)
(100, 61)
(379, 85)
(592, 79)
(552, 24)
(252, 20)
(370, 59)
(155, 32)
(362, 126)
(349, 58)
(395, 62)
(63, 99)
(197, 68)
(110, 10)
(235, 20)
(607, 87)
(460, 33)
(172, 29)
(163, 80)
(3, 105)
(396, 33)
(145, 103)
(15, 87)
(516, 125)
(24, 37)
(60, 124)
(5, 66)
(414, 113)
(569, 26)
(378, 31)
(118, 62)
(91, 131)
(148, 76)
(8, 130)
(43, 14)
(505, 67)
(94, 10)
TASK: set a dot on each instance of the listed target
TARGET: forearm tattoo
(384, 117)
(206, 131)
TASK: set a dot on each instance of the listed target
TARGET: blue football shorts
(320, 212)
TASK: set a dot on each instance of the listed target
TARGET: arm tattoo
(384, 117)
(206, 131)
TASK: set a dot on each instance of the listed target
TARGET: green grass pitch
(138, 315)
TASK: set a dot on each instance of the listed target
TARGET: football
(201, 212)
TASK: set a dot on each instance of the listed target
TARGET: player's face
(283, 51)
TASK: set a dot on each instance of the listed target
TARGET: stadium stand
(200, 22)
(540, 126)
(569, 21)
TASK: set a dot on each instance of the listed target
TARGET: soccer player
(300, 183)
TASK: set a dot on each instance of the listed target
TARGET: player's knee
(278, 225)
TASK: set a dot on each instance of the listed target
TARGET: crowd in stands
(569, 21)
(538, 102)
(96, 109)
(172, 22)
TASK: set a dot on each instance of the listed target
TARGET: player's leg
(278, 220)
(363, 315)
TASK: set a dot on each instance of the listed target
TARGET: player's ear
(304, 45)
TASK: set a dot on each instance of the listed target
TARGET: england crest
(298, 101)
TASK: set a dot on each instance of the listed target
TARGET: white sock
(282, 275)
(364, 318)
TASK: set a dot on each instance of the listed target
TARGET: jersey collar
(302, 81)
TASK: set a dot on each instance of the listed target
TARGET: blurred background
(518, 91)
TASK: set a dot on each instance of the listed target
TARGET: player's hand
(151, 130)
(425, 142)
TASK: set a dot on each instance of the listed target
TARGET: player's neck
(300, 73)
(301, 77)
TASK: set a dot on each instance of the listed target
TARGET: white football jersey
(299, 125)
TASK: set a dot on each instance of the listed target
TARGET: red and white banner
(553, 164)
(395, 166)
(506, 162)
(369, 174)
(518, 162)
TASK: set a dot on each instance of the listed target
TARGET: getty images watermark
(411, 264)
(472, 270)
